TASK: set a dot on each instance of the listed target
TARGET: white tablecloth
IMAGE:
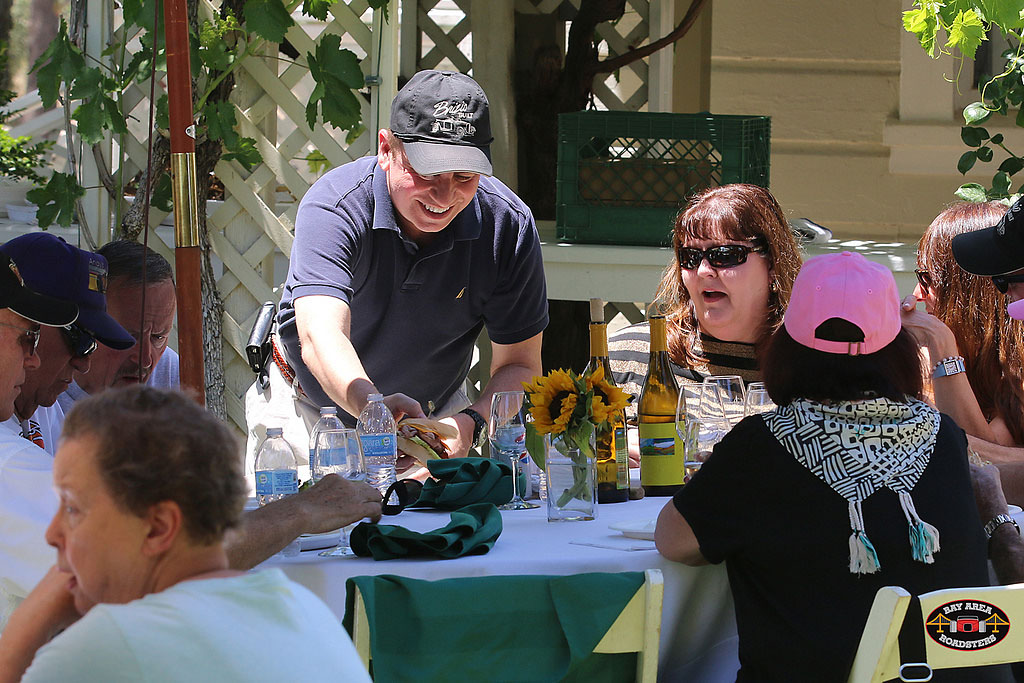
(698, 631)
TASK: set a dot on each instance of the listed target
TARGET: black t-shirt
(784, 536)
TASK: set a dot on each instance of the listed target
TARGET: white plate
(319, 541)
(642, 529)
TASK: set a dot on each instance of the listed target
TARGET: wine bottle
(661, 454)
(612, 451)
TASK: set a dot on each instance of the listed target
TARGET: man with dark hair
(51, 266)
(399, 261)
(150, 360)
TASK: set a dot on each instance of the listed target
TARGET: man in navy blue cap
(399, 261)
(76, 280)
(54, 267)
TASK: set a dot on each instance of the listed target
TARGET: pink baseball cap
(849, 287)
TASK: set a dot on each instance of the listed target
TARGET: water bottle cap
(274, 431)
(329, 410)
(375, 397)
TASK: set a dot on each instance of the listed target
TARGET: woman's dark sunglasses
(721, 256)
(79, 340)
(1003, 282)
(924, 278)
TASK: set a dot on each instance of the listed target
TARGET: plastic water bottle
(328, 420)
(276, 470)
(376, 430)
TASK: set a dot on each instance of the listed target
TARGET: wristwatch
(997, 522)
(953, 365)
(479, 425)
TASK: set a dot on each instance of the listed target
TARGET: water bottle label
(276, 482)
(378, 445)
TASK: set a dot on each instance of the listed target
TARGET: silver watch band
(997, 522)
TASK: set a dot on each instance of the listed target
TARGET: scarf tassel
(863, 558)
(924, 538)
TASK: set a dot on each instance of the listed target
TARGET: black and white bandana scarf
(858, 448)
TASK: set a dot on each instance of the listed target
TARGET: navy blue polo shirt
(416, 312)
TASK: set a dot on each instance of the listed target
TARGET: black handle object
(257, 349)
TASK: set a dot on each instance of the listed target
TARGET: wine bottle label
(661, 454)
(621, 459)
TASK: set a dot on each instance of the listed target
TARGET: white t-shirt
(258, 626)
(50, 420)
(27, 504)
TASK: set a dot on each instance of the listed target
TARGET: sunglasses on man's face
(79, 340)
(29, 339)
(1003, 282)
(720, 256)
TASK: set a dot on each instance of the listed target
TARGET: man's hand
(47, 610)
(460, 445)
(401, 406)
(334, 502)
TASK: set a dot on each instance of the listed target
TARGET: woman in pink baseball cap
(851, 484)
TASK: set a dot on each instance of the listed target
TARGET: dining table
(698, 627)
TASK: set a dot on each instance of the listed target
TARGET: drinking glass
(758, 400)
(712, 424)
(687, 427)
(506, 431)
(732, 394)
(338, 451)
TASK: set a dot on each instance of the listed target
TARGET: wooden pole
(186, 211)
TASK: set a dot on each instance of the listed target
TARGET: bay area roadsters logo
(966, 625)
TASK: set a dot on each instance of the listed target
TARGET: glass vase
(571, 480)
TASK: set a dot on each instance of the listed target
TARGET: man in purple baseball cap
(399, 262)
(74, 282)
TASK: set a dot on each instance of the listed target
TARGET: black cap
(993, 251)
(52, 266)
(443, 120)
(26, 303)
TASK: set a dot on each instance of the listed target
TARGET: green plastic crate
(624, 176)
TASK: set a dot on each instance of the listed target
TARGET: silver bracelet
(946, 367)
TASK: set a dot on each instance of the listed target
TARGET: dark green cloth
(494, 628)
(472, 531)
(463, 481)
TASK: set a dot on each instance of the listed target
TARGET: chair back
(634, 628)
(963, 627)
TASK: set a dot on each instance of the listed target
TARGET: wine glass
(686, 425)
(758, 400)
(712, 424)
(732, 394)
(506, 431)
(338, 451)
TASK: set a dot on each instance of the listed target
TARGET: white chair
(878, 656)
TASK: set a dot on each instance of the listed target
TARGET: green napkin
(463, 481)
(494, 628)
(472, 531)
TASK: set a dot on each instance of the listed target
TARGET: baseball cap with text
(53, 267)
(993, 251)
(443, 121)
(38, 308)
(849, 287)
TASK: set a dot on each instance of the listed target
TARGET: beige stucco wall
(864, 136)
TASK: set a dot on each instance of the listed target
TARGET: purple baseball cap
(53, 267)
(38, 308)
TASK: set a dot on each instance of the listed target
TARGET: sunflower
(552, 401)
(608, 401)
